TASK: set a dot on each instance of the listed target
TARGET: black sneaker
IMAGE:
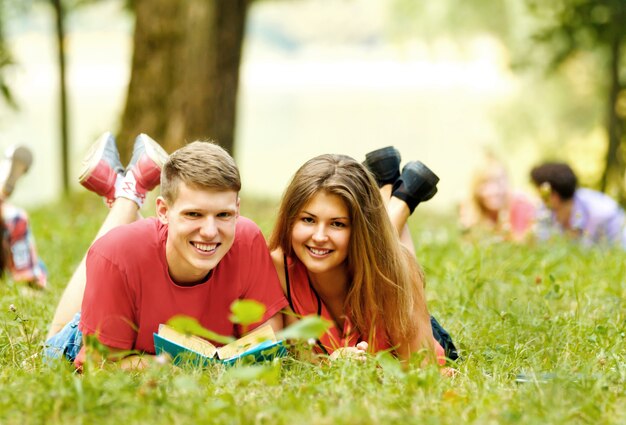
(384, 164)
(416, 184)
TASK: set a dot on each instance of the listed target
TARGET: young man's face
(554, 203)
(201, 230)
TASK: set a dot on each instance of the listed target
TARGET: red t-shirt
(304, 301)
(129, 291)
(522, 214)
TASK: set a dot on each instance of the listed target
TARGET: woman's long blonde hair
(383, 274)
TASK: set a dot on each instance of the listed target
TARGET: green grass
(536, 310)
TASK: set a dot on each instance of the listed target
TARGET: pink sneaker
(146, 164)
(102, 167)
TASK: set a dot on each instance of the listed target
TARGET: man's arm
(108, 309)
(276, 321)
(142, 361)
(119, 356)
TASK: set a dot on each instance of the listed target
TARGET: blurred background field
(322, 76)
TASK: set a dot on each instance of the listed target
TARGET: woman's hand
(357, 352)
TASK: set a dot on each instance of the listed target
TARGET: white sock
(126, 187)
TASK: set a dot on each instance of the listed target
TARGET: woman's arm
(420, 341)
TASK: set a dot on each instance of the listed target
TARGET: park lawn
(552, 314)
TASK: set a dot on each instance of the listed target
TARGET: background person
(19, 252)
(586, 215)
(493, 208)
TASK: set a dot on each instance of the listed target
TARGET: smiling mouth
(205, 247)
(318, 251)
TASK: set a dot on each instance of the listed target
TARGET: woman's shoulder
(277, 256)
(278, 260)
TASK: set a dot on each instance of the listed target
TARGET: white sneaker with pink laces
(144, 170)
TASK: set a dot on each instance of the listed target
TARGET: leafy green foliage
(573, 25)
(574, 29)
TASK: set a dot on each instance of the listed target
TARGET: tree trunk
(185, 72)
(612, 177)
(59, 14)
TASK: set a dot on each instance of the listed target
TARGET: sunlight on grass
(540, 331)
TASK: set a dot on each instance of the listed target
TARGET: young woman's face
(321, 234)
(492, 192)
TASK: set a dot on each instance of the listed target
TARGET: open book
(258, 345)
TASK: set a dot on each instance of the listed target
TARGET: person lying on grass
(587, 216)
(343, 251)
(18, 251)
(194, 258)
(493, 209)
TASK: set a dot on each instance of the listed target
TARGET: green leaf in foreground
(308, 327)
(246, 312)
(190, 326)
(269, 373)
(390, 364)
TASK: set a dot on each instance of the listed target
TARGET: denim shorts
(66, 343)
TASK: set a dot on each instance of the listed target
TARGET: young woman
(494, 208)
(337, 248)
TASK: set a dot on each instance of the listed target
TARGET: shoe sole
(154, 151)
(384, 164)
(381, 154)
(94, 155)
(430, 194)
(21, 160)
(422, 170)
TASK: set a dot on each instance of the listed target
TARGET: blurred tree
(59, 7)
(432, 20)
(6, 59)
(599, 27)
(185, 72)
(59, 19)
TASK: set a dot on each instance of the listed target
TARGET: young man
(586, 215)
(195, 258)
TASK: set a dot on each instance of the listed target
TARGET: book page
(191, 342)
(260, 334)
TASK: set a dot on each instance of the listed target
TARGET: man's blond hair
(200, 165)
